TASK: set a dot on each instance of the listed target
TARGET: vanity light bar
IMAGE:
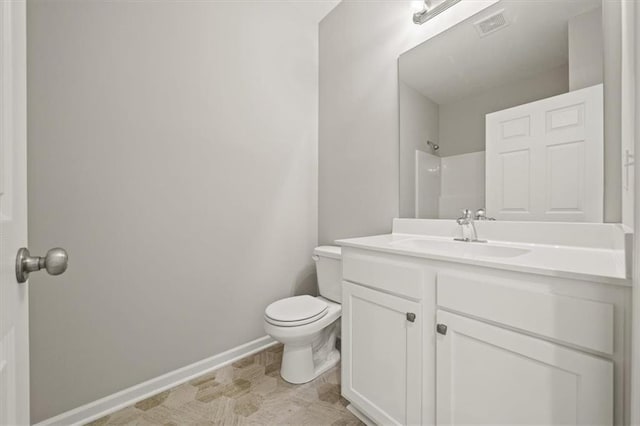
(429, 12)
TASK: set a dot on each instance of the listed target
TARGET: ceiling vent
(491, 24)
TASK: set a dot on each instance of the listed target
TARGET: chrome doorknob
(55, 262)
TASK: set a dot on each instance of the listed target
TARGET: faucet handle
(481, 214)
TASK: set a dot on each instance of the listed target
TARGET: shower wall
(463, 184)
(445, 186)
(428, 185)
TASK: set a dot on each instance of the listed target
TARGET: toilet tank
(329, 268)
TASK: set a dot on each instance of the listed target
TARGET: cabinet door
(490, 375)
(382, 349)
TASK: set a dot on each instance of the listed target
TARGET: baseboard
(107, 405)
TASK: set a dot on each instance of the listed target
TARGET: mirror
(505, 112)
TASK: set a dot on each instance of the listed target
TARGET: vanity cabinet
(490, 375)
(486, 346)
(382, 355)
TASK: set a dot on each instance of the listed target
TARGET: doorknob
(55, 262)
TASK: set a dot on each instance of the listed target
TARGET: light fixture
(431, 8)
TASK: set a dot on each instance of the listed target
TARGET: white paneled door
(14, 337)
(545, 159)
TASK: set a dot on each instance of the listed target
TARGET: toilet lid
(296, 323)
(296, 310)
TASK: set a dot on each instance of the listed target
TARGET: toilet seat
(295, 311)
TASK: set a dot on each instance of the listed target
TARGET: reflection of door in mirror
(543, 55)
(545, 159)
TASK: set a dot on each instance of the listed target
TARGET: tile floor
(247, 392)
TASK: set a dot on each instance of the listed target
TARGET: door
(545, 159)
(14, 332)
(490, 375)
(381, 368)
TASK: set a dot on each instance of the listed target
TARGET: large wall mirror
(506, 112)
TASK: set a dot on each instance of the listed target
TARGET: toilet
(308, 326)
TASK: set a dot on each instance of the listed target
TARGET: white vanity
(531, 327)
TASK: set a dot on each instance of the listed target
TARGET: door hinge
(442, 329)
(411, 317)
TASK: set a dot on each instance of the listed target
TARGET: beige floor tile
(313, 414)
(251, 372)
(203, 379)
(275, 410)
(125, 416)
(162, 415)
(248, 404)
(154, 401)
(225, 374)
(99, 422)
(180, 396)
(264, 385)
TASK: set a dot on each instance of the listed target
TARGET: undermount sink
(460, 248)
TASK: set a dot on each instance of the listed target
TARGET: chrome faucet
(468, 227)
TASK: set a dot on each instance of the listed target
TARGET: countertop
(581, 263)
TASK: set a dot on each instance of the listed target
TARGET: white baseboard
(107, 405)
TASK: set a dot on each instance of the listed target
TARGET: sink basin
(459, 248)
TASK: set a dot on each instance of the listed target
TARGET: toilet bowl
(308, 326)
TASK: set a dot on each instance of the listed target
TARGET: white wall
(428, 171)
(585, 50)
(173, 152)
(463, 184)
(462, 123)
(418, 124)
(360, 42)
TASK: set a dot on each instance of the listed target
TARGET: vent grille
(491, 24)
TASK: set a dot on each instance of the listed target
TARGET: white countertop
(602, 265)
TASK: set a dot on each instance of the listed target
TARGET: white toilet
(307, 325)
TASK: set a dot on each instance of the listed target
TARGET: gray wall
(173, 152)
(358, 122)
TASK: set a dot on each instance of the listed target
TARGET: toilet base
(297, 365)
(303, 363)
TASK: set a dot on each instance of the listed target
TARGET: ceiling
(314, 10)
(459, 63)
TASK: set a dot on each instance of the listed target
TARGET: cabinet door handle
(411, 317)
(442, 329)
